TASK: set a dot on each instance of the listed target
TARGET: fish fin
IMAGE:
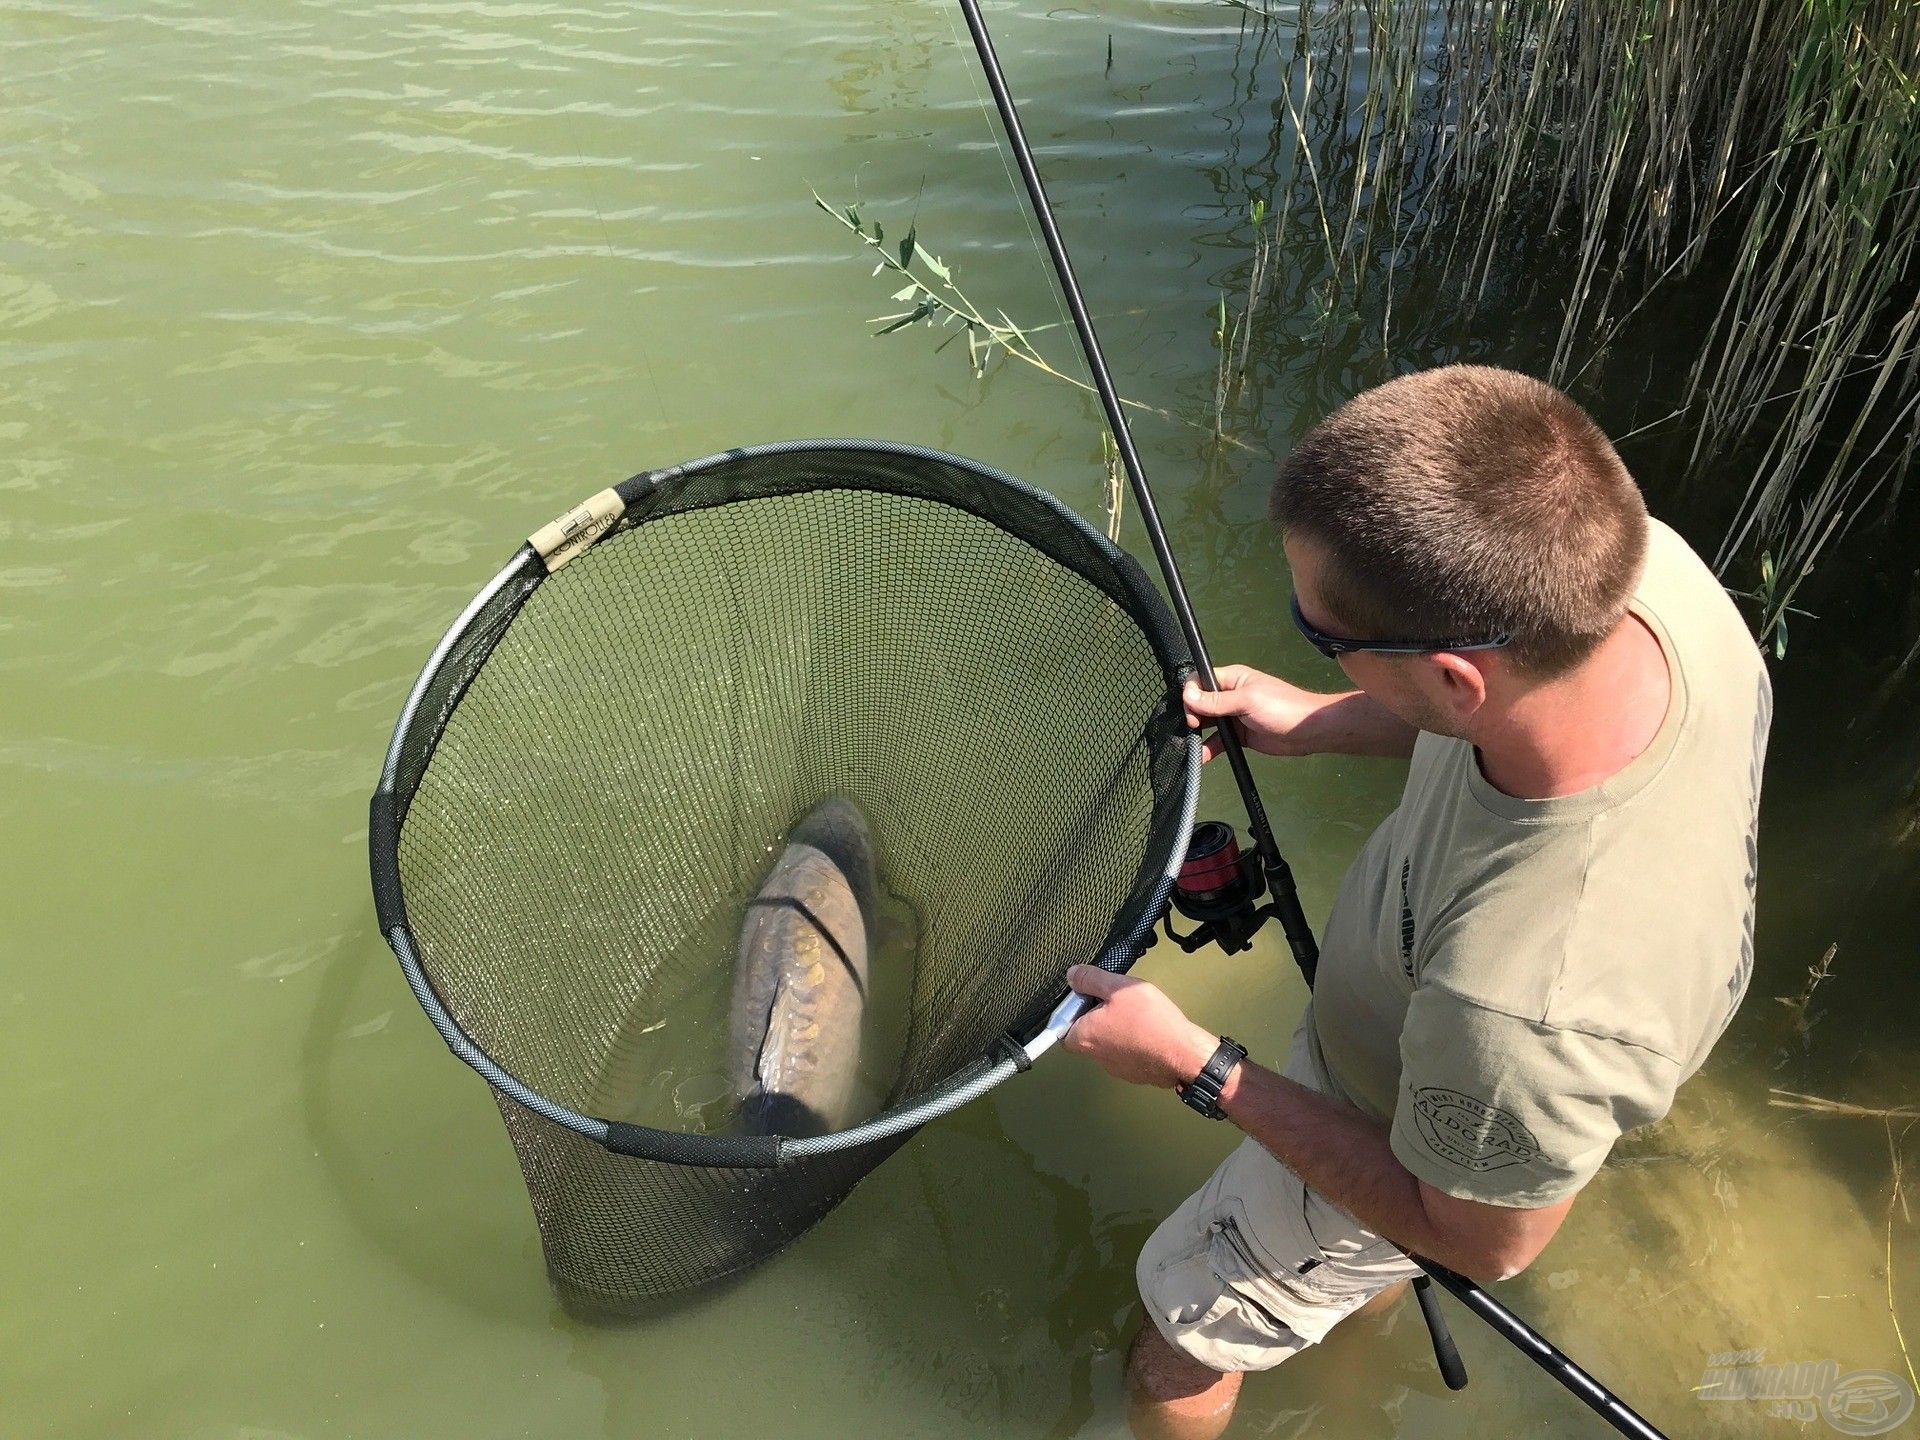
(769, 1063)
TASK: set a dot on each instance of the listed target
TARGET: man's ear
(1463, 686)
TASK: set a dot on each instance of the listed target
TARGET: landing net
(605, 753)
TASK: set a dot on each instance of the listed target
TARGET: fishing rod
(1285, 905)
(1279, 875)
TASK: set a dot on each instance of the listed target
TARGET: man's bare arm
(1276, 717)
(1347, 1158)
(1141, 1036)
(1357, 724)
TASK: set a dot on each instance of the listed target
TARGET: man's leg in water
(1171, 1396)
(1380, 1304)
(1248, 1271)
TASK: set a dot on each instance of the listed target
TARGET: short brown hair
(1468, 501)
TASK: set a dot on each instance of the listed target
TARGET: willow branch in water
(940, 300)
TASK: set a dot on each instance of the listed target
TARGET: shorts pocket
(1291, 1301)
(1185, 1290)
(1275, 1240)
(1342, 1241)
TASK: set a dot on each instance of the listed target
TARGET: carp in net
(751, 817)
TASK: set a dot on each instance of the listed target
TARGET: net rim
(386, 817)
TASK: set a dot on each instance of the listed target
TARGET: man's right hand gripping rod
(1280, 885)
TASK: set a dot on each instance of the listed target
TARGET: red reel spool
(1212, 865)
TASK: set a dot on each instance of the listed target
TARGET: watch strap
(1202, 1093)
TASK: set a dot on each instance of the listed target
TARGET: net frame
(1058, 532)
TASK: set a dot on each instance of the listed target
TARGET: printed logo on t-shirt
(1406, 919)
(1762, 719)
(1471, 1133)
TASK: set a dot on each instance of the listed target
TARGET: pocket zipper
(1229, 1227)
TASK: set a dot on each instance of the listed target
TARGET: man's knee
(1158, 1371)
(1172, 1396)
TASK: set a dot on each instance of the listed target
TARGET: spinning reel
(1218, 888)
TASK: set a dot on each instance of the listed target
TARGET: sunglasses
(1334, 646)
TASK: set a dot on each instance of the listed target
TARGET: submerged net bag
(599, 762)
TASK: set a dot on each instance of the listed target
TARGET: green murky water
(307, 313)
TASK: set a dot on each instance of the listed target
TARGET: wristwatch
(1202, 1093)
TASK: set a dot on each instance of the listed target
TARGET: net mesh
(595, 773)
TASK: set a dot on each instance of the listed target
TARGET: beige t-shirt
(1515, 983)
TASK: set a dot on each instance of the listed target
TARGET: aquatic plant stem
(1897, 1198)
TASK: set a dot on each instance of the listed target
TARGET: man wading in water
(1533, 951)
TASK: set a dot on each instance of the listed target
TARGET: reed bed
(1598, 160)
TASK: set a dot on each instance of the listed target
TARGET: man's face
(1427, 691)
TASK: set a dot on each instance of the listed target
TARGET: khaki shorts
(1254, 1266)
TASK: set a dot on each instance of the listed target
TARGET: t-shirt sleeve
(1496, 1108)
